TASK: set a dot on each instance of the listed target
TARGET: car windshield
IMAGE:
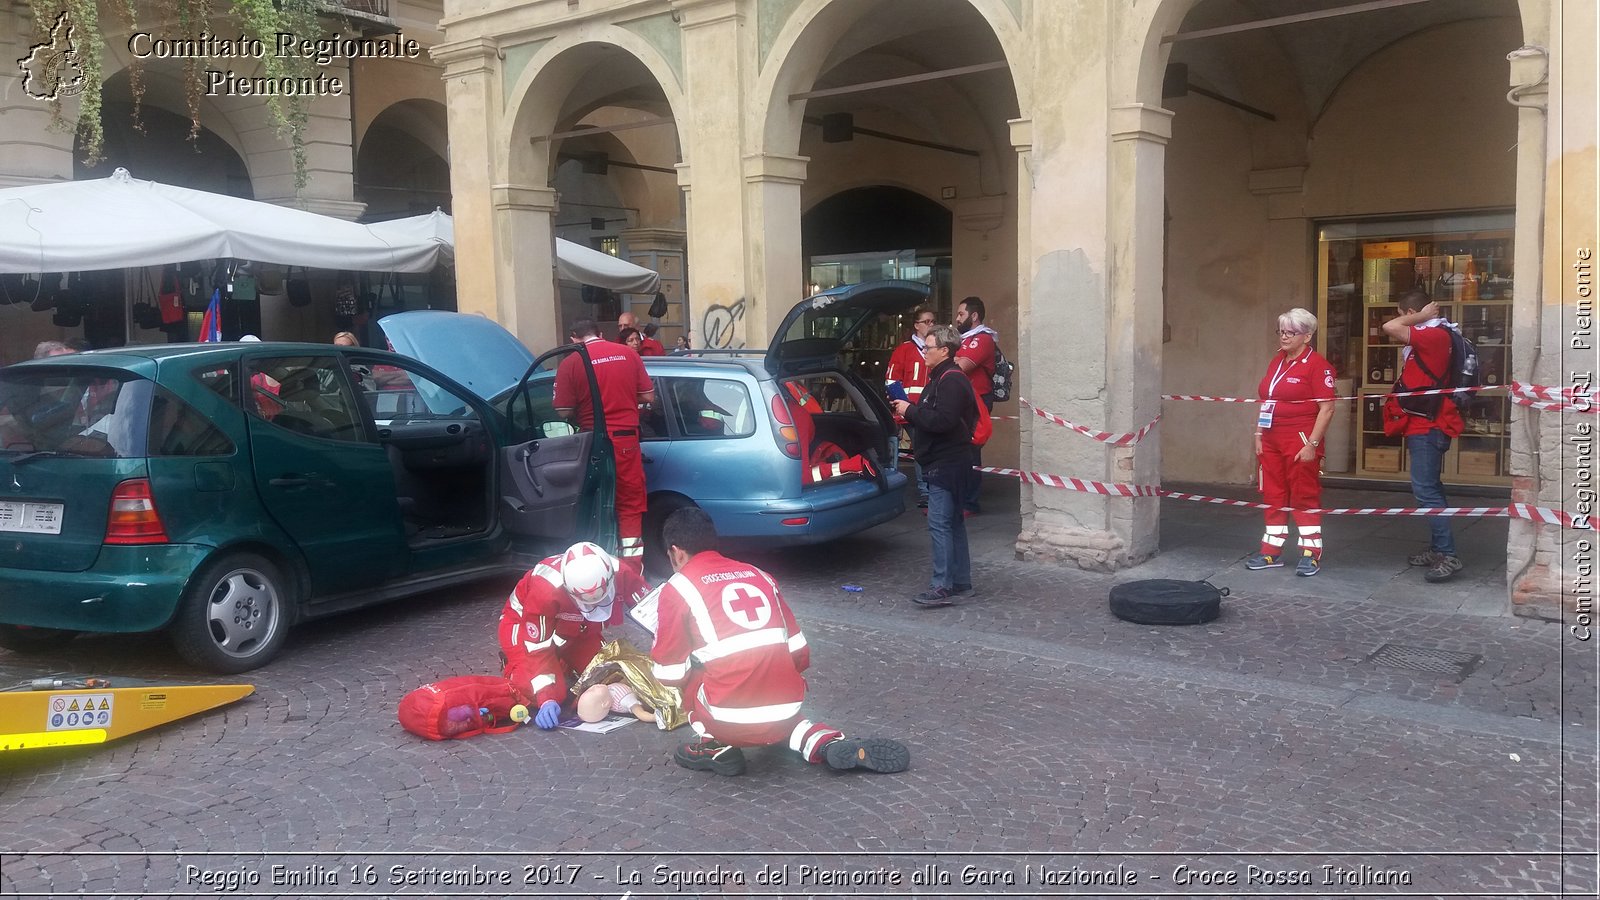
(72, 411)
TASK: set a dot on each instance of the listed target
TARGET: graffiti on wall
(720, 326)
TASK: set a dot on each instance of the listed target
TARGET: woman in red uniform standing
(1296, 406)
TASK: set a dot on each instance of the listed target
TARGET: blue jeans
(922, 482)
(1426, 452)
(947, 527)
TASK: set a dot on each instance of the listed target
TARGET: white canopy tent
(574, 262)
(123, 222)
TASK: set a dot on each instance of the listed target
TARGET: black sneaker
(933, 597)
(873, 754)
(707, 755)
(961, 589)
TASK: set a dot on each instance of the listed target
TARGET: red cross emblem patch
(746, 606)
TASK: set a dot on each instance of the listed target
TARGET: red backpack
(459, 707)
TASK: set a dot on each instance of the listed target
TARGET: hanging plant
(260, 19)
(264, 20)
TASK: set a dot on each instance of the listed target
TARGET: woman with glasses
(1296, 406)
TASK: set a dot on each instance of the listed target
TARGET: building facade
(1136, 188)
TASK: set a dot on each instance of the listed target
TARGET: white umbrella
(574, 262)
(122, 222)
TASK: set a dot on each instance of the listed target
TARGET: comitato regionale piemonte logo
(51, 69)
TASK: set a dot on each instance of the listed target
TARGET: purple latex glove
(549, 715)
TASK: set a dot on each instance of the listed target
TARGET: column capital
(1141, 122)
(472, 56)
(1021, 134)
(654, 238)
(523, 197)
(775, 167)
(690, 14)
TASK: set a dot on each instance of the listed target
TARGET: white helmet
(589, 574)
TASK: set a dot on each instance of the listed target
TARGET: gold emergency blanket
(620, 661)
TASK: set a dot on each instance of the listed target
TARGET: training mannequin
(601, 700)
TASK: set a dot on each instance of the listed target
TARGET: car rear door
(323, 478)
(558, 482)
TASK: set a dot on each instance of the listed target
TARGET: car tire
(1167, 601)
(655, 518)
(234, 615)
(24, 639)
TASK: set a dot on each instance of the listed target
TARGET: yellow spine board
(69, 717)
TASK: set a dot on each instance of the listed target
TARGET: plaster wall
(1218, 308)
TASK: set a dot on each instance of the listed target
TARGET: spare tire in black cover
(1167, 601)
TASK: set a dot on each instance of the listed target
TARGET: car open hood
(477, 352)
(815, 332)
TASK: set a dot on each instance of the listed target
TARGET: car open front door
(559, 483)
(322, 477)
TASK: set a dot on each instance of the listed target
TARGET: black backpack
(1462, 372)
(1004, 377)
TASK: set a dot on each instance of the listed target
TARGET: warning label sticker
(70, 711)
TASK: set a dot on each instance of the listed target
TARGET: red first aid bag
(453, 708)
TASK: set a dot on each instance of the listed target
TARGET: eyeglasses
(1292, 333)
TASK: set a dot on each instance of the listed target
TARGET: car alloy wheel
(234, 614)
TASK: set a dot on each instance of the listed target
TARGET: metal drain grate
(1453, 663)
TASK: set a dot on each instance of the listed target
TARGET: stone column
(472, 92)
(772, 214)
(660, 249)
(712, 126)
(1096, 264)
(525, 276)
(1550, 569)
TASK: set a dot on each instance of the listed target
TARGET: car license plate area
(24, 517)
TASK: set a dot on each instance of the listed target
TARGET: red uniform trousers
(575, 654)
(825, 459)
(631, 501)
(1285, 481)
(803, 736)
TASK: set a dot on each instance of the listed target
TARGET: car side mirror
(557, 429)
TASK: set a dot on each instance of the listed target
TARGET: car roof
(754, 364)
(137, 354)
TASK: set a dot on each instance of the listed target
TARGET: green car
(225, 492)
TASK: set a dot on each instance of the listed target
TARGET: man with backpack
(1430, 421)
(977, 358)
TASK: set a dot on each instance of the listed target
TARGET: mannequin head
(595, 703)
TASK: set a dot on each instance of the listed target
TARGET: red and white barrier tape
(1530, 395)
(1540, 514)
(1106, 437)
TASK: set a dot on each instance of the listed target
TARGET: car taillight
(790, 434)
(133, 518)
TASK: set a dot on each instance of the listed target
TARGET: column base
(1090, 549)
(1538, 594)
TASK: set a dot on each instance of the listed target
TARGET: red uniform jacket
(1432, 343)
(906, 366)
(545, 636)
(727, 639)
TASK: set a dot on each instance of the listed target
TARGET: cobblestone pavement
(1053, 745)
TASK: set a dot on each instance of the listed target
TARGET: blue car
(720, 436)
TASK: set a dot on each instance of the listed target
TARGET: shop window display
(1465, 265)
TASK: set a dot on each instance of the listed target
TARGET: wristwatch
(1315, 443)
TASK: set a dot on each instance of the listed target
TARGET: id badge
(1264, 418)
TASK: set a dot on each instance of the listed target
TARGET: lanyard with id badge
(1264, 418)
